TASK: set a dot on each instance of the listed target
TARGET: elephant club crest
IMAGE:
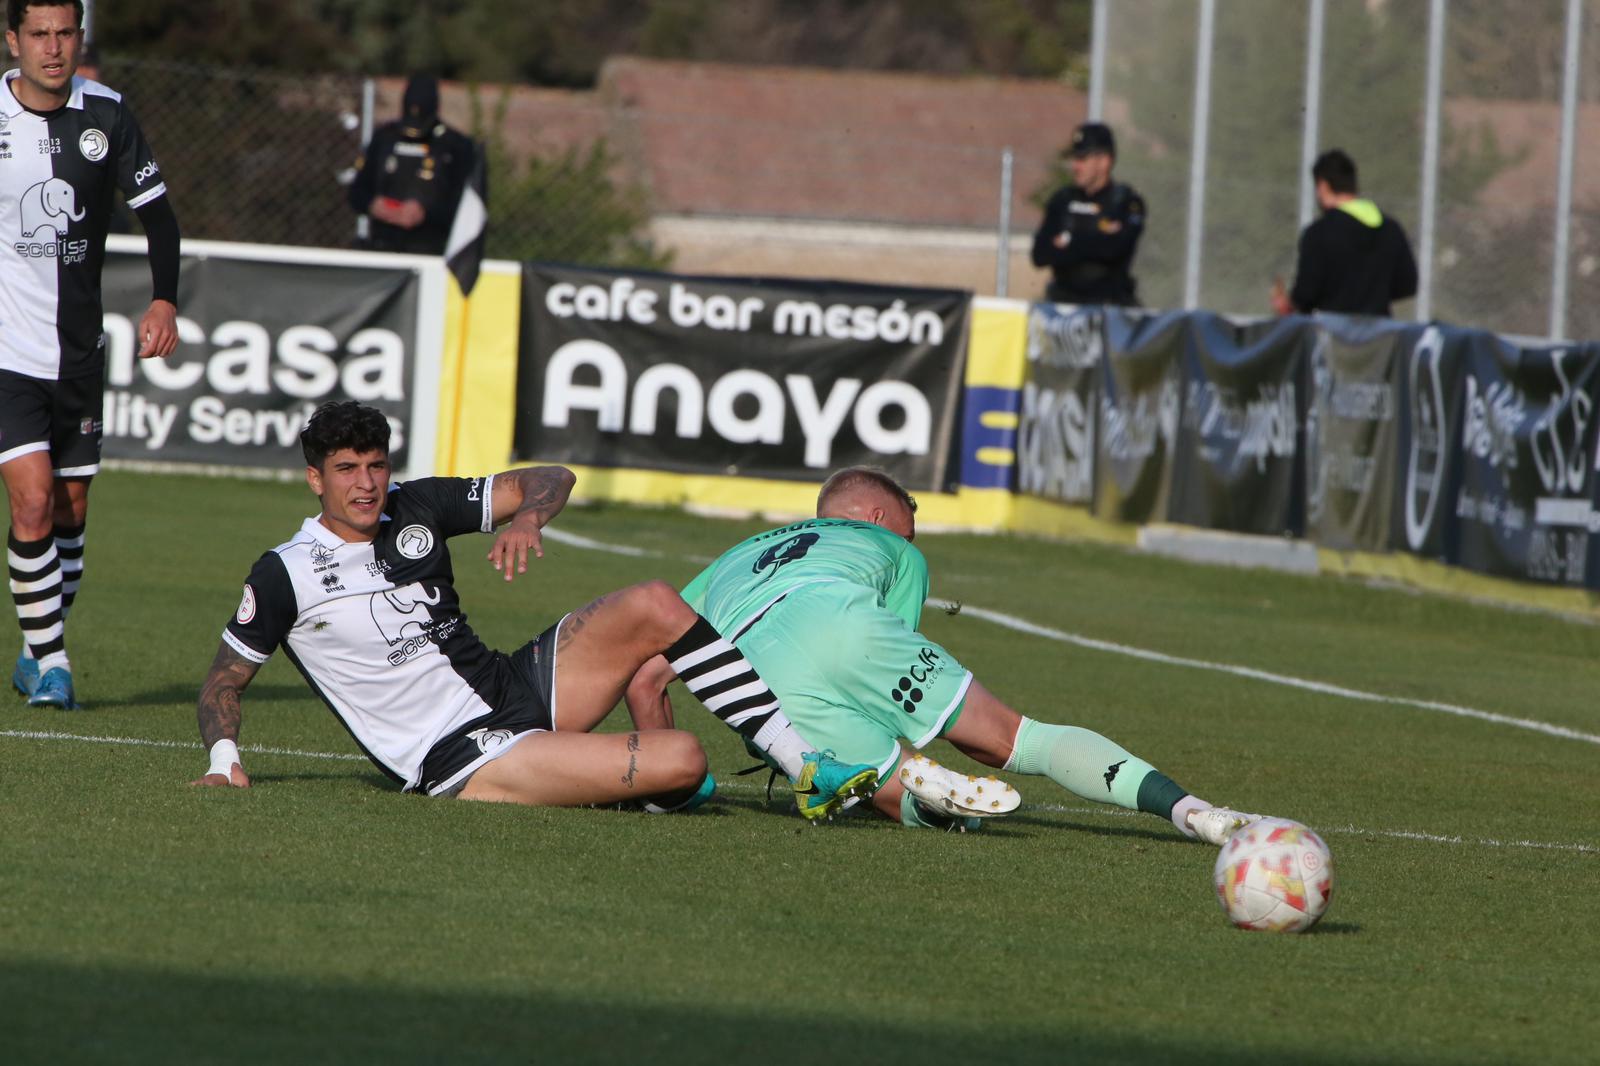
(51, 205)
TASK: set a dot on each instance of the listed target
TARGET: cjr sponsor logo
(908, 691)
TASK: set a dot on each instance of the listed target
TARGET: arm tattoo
(633, 759)
(218, 710)
(542, 487)
(543, 490)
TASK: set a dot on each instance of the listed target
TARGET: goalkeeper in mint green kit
(827, 611)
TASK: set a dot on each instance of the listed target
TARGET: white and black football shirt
(59, 171)
(376, 628)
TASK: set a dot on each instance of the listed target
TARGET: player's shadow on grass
(376, 782)
(1151, 830)
(59, 1011)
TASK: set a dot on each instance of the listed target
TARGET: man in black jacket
(410, 178)
(1091, 228)
(1353, 259)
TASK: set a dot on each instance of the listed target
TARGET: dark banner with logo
(774, 379)
(261, 344)
(1060, 396)
(1238, 451)
(1428, 458)
(1525, 507)
(1354, 418)
(1141, 395)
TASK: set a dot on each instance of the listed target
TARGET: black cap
(1089, 138)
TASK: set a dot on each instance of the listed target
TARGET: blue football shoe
(54, 690)
(826, 785)
(25, 678)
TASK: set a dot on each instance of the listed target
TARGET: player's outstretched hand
(235, 778)
(510, 552)
(158, 331)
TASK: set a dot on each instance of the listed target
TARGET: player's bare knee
(662, 604)
(683, 753)
(31, 511)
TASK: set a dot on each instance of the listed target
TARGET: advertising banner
(1429, 442)
(261, 344)
(1238, 447)
(1352, 435)
(1060, 396)
(1525, 507)
(1140, 400)
(771, 379)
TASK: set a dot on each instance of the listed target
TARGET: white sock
(1180, 813)
(778, 739)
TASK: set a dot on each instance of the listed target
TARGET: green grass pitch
(324, 917)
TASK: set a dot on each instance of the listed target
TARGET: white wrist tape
(224, 753)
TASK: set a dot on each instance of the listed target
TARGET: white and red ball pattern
(1276, 875)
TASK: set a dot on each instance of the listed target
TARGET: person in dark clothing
(409, 181)
(1091, 228)
(1353, 259)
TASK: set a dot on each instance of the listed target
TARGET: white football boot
(1215, 825)
(945, 790)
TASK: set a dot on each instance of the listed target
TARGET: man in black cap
(410, 179)
(1091, 228)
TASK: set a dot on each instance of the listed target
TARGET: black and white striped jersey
(376, 628)
(59, 171)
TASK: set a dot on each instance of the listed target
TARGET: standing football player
(67, 145)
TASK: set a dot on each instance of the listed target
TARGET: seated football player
(362, 600)
(827, 610)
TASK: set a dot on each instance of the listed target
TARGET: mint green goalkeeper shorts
(852, 677)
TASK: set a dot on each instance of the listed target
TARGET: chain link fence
(909, 180)
(247, 156)
(639, 172)
(1486, 210)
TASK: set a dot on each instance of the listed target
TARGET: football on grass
(1275, 875)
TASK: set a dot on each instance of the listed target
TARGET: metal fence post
(1097, 61)
(1311, 131)
(1197, 154)
(1430, 159)
(1569, 145)
(1002, 260)
(369, 103)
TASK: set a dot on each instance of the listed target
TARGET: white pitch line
(142, 742)
(1022, 625)
(742, 786)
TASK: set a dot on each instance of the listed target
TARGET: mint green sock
(1088, 765)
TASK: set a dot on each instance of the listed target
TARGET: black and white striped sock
(69, 548)
(36, 590)
(722, 678)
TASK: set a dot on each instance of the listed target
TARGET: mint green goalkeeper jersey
(827, 610)
(753, 575)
